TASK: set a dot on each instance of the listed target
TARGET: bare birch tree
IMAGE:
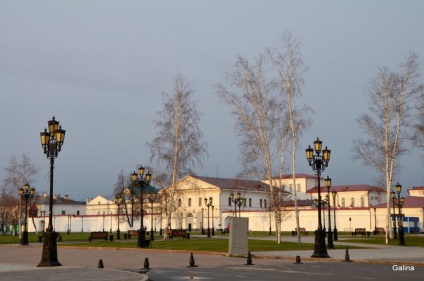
(179, 145)
(258, 113)
(127, 207)
(391, 98)
(290, 67)
(17, 175)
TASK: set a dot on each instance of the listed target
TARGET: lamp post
(400, 204)
(208, 204)
(26, 194)
(142, 181)
(43, 213)
(238, 201)
(203, 230)
(318, 163)
(375, 221)
(152, 199)
(269, 220)
(118, 202)
(51, 142)
(334, 193)
(330, 243)
(392, 193)
(213, 224)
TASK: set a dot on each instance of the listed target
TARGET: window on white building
(362, 202)
(189, 202)
(200, 201)
(260, 203)
(250, 202)
(265, 203)
(352, 202)
(179, 202)
(63, 212)
(298, 187)
(343, 203)
(229, 201)
(78, 213)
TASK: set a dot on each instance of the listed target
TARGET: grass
(207, 244)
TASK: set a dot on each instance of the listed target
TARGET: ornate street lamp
(118, 202)
(318, 163)
(152, 198)
(330, 234)
(213, 224)
(334, 193)
(26, 194)
(51, 142)
(208, 204)
(400, 202)
(238, 201)
(393, 194)
(142, 182)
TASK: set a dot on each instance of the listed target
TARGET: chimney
(66, 197)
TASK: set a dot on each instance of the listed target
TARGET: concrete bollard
(100, 265)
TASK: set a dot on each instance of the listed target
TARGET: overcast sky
(100, 66)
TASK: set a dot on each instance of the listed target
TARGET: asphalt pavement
(373, 262)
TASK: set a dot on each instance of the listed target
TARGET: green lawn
(208, 244)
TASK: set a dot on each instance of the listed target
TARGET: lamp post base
(336, 238)
(24, 240)
(320, 249)
(401, 237)
(49, 256)
(141, 240)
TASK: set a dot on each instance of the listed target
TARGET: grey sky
(100, 66)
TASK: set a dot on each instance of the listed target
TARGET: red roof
(235, 183)
(298, 176)
(410, 202)
(347, 188)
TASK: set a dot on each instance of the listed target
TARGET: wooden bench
(177, 233)
(361, 231)
(132, 233)
(379, 230)
(224, 231)
(302, 231)
(97, 235)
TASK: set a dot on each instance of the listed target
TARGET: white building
(357, 206)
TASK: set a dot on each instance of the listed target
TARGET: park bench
(361, 231)
(131, 233)
(224, 231)
(302, 231)
(177, 233)
(379, 230)
(97, 235)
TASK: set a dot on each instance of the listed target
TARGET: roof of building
(224, 183)
(410, 202)
(416, 188)
(58, 200)
(298, 176)
(347, 188)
